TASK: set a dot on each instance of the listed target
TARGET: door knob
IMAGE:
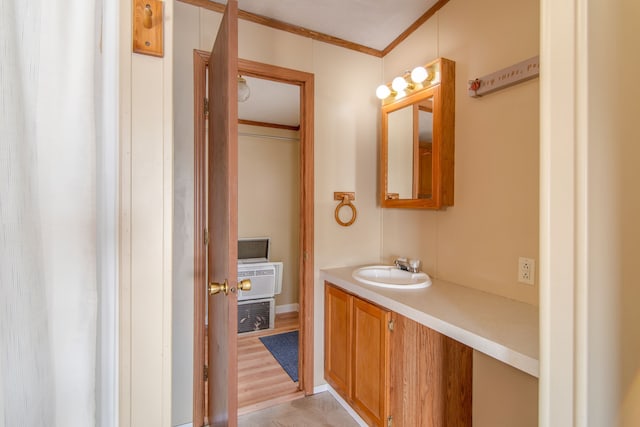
(215, 288)
(244, 285)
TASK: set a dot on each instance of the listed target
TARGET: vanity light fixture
(419, 74)
(399, 84)
(410, 81)
(383, 92)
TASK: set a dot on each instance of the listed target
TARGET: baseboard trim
(320, 388)
(346, 406)
(287, 308)
(185, 425)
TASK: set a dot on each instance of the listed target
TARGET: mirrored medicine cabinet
(417, 141)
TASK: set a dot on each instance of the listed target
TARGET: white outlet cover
(526, 270)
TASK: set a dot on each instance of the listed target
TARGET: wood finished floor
(262, 382)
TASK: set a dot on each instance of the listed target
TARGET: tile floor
(319, 410)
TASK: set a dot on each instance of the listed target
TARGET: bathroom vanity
(392, 370)
(405, 356)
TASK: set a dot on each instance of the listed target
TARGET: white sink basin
(388, 276)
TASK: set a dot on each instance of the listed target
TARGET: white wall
(146, 219)
(183, 205)
(269, 198)
(503, 396)
(590, 236)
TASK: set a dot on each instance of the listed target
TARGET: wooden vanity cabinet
(392, 370)
(337, 339)
(370, 361)
(357, 353)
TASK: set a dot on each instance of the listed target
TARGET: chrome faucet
(412, 265)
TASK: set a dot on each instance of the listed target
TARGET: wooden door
(370, 361)
(306, 83)
(223, 221)
(337, 339)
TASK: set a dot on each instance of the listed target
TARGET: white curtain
(50, 76)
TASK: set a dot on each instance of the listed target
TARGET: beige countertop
(504, 329)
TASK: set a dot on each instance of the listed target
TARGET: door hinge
(206, 107)
(391, 324)
(206, 237)
(389, 421)
(205, 373)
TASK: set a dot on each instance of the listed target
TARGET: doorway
(305, 242)
(268, 228)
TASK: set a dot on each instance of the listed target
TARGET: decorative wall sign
(520, 72)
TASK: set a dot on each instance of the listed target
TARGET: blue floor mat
(284, 348)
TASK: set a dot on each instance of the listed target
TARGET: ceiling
(371, 23)
(365, 24)
(271, 102)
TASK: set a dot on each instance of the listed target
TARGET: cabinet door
(337, 339)
(370, 361)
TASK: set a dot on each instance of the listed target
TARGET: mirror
(401, 146)
(417, 144)
(425, 149)
(410, 160)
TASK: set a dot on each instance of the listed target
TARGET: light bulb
(399, 84)
(243, 90)
(383, 92)
(419, 74)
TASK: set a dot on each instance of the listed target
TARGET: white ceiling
(371, 23)
(271, 102)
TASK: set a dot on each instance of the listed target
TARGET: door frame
(306, 256)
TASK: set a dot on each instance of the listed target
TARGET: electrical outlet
(526, 270)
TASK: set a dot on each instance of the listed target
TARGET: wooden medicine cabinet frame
(440, 90)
